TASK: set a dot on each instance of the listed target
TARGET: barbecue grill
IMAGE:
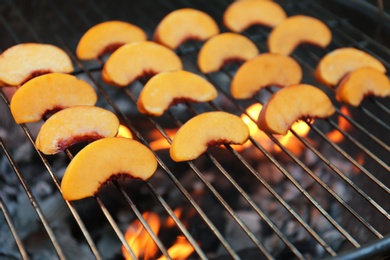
(328, 199)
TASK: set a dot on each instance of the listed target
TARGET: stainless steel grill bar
(11, 225)
(56, 182)
(280, 199)
(140, 137)
(237, 155)
(317, 179)
(322, 157)
(34, 203)
(358, 144)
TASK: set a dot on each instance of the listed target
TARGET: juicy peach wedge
(167, 88)
(240, 15)
(74, 125)
(185, 24)
(134, 60)
(337, 64)
(210, 128)
(24, 61)
(105, 159)
(48, 93)
(265, 70)
(106, 37)
(225, 47)
(292, 103)
(296, 30)
(360, 83)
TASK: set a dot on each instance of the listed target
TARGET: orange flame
(180, 250)
(161, 143)
(123, 131)
(139, 239)
(288, 140)
(335, 135)
(143, 245)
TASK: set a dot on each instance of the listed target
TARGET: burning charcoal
(8, 249)
(291, 192)
(319, 222)
(236, 236)
(334, 239)
(270, 173)
(42, 189)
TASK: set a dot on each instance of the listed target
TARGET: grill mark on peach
(219, 142)
(34, 74)
(111, 48)
(117, 176)
(63, 144)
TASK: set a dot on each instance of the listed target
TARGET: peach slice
(48, 93)
(74, 125)
(225, 47)
(265, 70)
(291, 104)
(167, 88)
(185, 24)
(134, 60)
(360, 83)
(105, 159)
(106, 37)
(296, 30)
(210, 128)
(24, 61)
(337, 64)
(240, 15)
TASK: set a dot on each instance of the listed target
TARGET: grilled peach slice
(209, 128)
(337, 64)
(24, 61)
(74, 125)
(184, 24)
(106, 37)
(225, 47)
(48, 93)
(360, 83)
(105, 159)
(296, 30)
(265, 70)
(292, 103)
(167, 88)
(134, 60)
(240, 15)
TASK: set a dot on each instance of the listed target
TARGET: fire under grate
(324, 194)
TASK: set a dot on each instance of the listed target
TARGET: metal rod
(11, 225)
(75, 214)
(146, 225)
(34, 203)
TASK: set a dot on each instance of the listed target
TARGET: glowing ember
(288, 140)
(139, 239)
(143, 245)
(180, 250)
(253, 111)
(161, 143)
(335, 135)
(123, 131)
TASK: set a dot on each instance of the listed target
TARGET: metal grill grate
(367, 214)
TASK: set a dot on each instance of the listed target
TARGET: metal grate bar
(224, 172)
(321, 157)
(11, 225)
(34, 203)
(140, 137)
(218, 165)
(362, 147)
